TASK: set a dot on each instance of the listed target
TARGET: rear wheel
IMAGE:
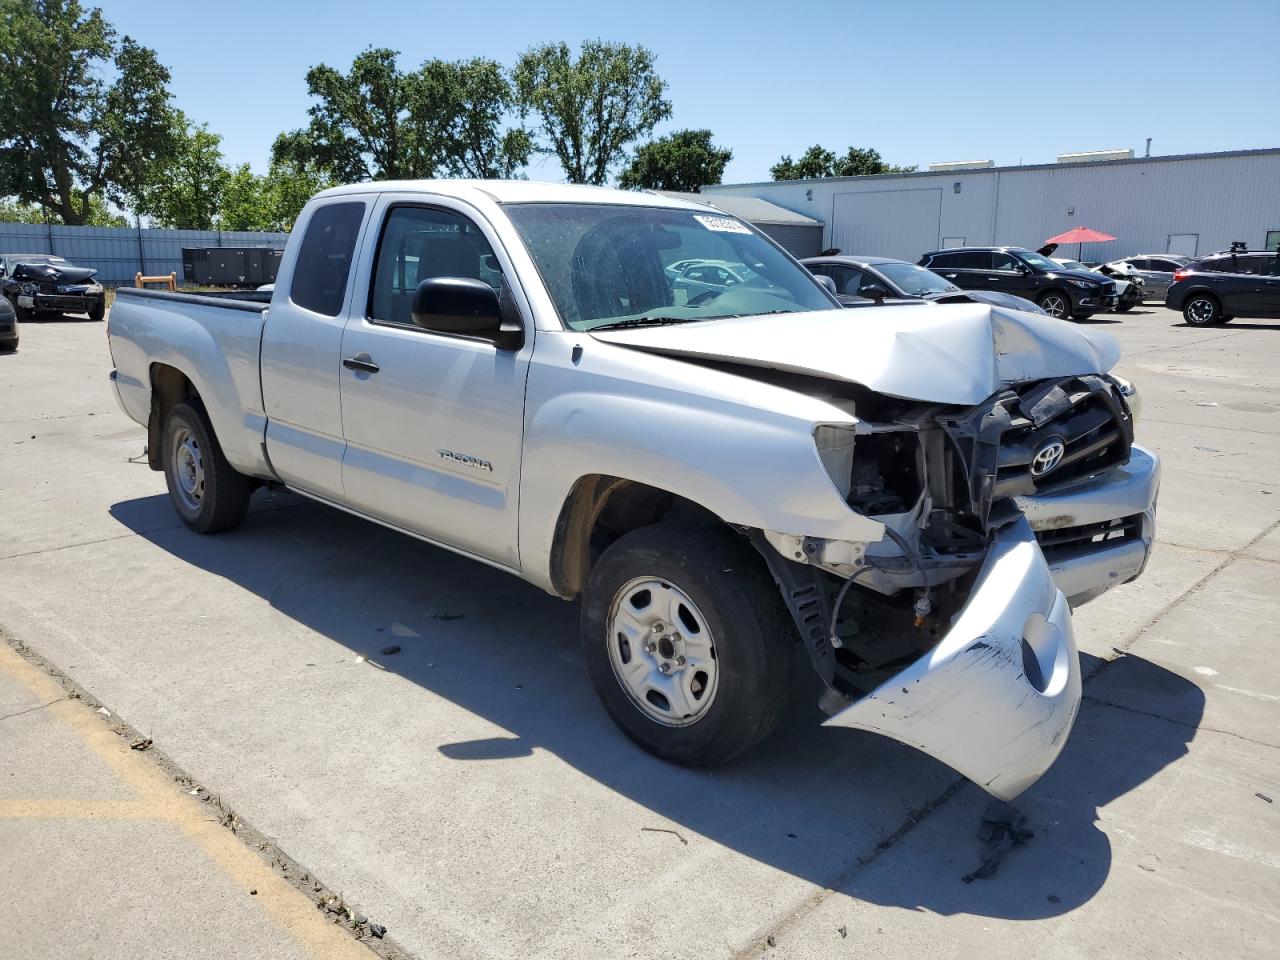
(207, 492)
(687, 642)
(1055, 303)
(1202, 310)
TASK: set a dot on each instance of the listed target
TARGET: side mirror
(827, 283)
(873, 291)
(465, 306)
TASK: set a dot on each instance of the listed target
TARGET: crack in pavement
(917, 816)
(23, 713)
(1180, 346)
(1181, 723)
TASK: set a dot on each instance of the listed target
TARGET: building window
(1273, 240)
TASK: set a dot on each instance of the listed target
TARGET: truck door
(433, 421)
(301, 349)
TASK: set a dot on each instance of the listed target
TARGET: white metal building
(1191, 204)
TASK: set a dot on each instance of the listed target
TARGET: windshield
(609, 264)
(915, 281)
(1073, 264)
(1037, 261)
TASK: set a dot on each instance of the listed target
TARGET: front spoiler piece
(996, 698)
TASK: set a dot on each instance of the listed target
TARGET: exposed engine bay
(942, 480)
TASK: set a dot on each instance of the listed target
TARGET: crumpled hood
(942, 353)
(50, 273)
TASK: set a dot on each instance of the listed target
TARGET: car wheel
(1202, 310)
(207, 492)
(1126, 307)
(687, 642)
(22, 314)
(98, 311)
(1055, 304)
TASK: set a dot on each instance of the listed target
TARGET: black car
(882, 281)
(8, 326)
(1227, 285)
(1078, 294)
(40, 283)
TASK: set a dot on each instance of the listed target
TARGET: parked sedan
(39, 283)
(8, 326)
(883, 281)
(1226, 285)
(1155, 269)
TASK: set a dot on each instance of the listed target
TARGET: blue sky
(920, 80)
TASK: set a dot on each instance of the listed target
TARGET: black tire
(754, 648)
(223, 494)
(1055, 303)
(1085, 315)
(98, 311)
(1202, 310)
(22, 314)
(1126, 307)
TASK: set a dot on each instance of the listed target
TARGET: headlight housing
(835, 450)
(1129, 392)
(1085, 284)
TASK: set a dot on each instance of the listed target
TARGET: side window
(848, 280)
(421, 243)
(941, 261)
(324, 259)
(1254, 264)
(973, 260)
(1002, 261)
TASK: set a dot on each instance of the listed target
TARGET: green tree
(467, 103)
(685, 160)
(245, 203)
(817, 162)
(67, 134)
(189, 195)
(288, 186)
(591, 107)
(99, 215)
(368, 124)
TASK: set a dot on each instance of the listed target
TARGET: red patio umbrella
(1078, 236)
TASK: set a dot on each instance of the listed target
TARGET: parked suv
(882, 281)
(1155, 269)
(1060, 293)
(1227, 285)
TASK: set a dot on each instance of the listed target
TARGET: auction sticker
(722, 224)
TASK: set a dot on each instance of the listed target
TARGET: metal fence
(120, 252)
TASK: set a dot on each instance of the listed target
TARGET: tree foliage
(591, 107)
(66, 133)
(190, 194)
(100, 213)
(378, 123)
(818, 161)
(685, 160)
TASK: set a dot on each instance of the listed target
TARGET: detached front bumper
(996, 698)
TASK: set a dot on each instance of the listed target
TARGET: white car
(910, 504)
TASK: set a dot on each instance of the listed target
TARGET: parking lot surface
(469, 793)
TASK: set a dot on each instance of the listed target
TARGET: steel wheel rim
(1201, 310)
(662, 651)
(1055, 306)
(188, 469)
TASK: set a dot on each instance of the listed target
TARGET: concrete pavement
(470, 793)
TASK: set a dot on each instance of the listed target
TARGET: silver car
(1156, 270)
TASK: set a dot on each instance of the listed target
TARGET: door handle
(363, 363)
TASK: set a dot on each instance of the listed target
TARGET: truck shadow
(826, 805)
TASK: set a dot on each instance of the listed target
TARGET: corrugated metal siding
(1142, 202)
(120, 252)
(799, 240)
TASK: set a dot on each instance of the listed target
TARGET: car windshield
(1073, 265)
(915, 281)
(1037, 261)
(610, 265)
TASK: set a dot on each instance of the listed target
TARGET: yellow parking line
(159, 798)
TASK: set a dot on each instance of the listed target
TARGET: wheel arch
(169, 387)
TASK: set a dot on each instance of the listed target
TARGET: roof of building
(1102, 164)
(751, 209)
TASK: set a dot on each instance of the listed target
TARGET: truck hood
(940, 353)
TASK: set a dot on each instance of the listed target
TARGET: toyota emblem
(1048, 457)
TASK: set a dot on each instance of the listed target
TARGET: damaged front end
(949, 633)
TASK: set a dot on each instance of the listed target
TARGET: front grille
(47, 301)
(1064, 542)
(1087, 415)
(1039, 437)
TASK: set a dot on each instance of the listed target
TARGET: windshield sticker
(721, 224)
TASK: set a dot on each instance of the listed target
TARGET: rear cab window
(323, 267)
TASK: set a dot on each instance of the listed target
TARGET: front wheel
(98, 311)
(207, 492)
(1126, 306)
(687, 643)
(1055, 304)
(1202, 310)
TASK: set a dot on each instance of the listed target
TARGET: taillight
(1181, 274)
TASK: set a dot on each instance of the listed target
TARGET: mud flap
(996, 698)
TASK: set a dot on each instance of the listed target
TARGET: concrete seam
(1181, 723)
(23, 713)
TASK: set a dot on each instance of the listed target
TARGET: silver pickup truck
(734, 475)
